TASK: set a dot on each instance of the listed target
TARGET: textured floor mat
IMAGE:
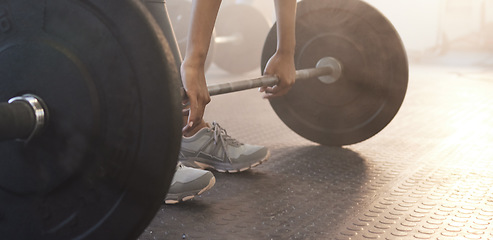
(425, 176)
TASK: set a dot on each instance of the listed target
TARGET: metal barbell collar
(40, 113)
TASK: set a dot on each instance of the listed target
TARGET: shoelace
(221, 134)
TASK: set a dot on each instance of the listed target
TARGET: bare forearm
(286, 15)
(204, 13)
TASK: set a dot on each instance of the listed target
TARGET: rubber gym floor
(427, 175)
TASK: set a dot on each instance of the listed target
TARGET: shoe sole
(234, 170)
(188, 196)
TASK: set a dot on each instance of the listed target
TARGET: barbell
(90, 106)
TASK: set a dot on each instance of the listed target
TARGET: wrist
(285, 51)
(285, 54)
(193, 63)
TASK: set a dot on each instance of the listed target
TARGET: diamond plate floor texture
(427, 175)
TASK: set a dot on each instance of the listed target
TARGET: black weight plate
(103, 165)
(248, 26)
(180, 14)
(374, 78)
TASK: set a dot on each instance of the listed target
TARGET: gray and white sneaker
(188, 183)
(213, 148)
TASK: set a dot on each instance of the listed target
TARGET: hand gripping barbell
(90, 120)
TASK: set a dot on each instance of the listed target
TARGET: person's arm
(204, 13)
(281, 63)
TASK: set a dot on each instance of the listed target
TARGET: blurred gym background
(429, 29)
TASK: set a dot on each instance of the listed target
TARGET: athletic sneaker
(212, 148)
(188, 183)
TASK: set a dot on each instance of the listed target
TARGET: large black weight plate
(103, 165)
(180, 14)
(374, 78)
(248, 27)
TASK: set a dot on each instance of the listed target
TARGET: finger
(272, 90)
(273, 95)
(191, 114)
(276, 91)
(196, 114)
(186, 129)
(190, 124)
(268, 95)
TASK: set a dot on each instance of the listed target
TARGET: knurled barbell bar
(90, 119)
(24, 117)
(328, 70)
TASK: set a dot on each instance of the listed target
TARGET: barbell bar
(24, 116)
(329, 68)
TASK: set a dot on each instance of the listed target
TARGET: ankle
(195, 129)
